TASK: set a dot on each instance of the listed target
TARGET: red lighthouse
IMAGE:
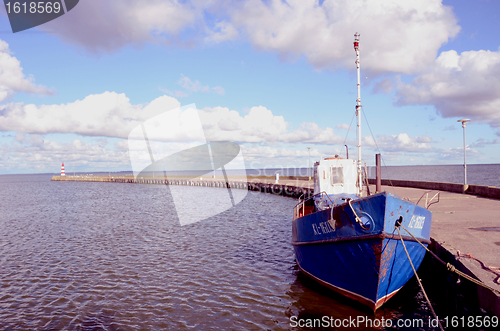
(62, 170)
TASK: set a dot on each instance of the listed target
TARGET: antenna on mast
(358, 117)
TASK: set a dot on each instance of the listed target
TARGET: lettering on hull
(323, 227)
(417, 222)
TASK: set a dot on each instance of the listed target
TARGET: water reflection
(313, 301)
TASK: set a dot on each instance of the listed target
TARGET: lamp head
(464, 121)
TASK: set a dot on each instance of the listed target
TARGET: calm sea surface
(105, 256)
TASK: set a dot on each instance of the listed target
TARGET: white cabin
(335, 176)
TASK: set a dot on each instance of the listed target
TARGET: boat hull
(368, 265)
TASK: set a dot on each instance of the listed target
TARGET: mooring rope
(418, 278)
(358, 220)
(484, 266)
(450, 266)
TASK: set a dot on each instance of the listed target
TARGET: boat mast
(358, 116)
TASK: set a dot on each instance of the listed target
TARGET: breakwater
(291, 187)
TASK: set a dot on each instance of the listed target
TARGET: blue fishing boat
(350, 242)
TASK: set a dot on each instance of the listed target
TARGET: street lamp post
(464, 124)
(309, 169)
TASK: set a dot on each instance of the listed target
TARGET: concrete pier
(465, 229)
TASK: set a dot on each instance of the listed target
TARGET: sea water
(113, 256)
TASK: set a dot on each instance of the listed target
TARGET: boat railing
(319, 201)
(429, 202)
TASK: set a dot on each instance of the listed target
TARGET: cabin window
(337, 176)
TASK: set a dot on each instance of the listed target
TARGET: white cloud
(222, 31)
(343, 126)
(400, 143)
(192, 86)
(450, 128)
(257, 156)
(107, 26)
(195, 86)
(219, 90)
(12, 79)
(254, 150)
(112, 115)
(481, 142)
(402, 149)
(447, 154)
(36, 153)
(385, 85)
(459, 85)
(108, 114)
(391, 31)
(260, 125)
(176, 94)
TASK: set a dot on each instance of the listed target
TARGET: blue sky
(274, 76)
